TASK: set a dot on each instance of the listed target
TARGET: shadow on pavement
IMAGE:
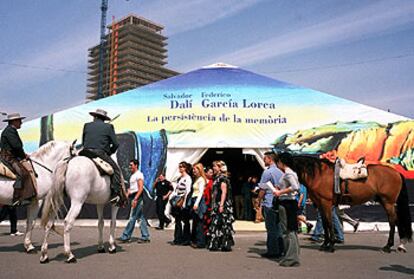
(316, 246)
(398, 268)
(260, 243)
(84, 252)
(20, 248)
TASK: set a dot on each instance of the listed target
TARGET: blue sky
(359, 50)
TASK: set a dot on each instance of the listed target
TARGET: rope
(40, 164)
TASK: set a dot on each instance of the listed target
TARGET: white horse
(83, 183)
(47, 157)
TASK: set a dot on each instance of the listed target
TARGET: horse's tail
(405, 230)
(54, 199)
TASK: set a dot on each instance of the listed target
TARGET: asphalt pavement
(359, 257)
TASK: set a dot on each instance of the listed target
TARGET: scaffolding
(135, 55)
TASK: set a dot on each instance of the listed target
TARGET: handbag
(177, 201)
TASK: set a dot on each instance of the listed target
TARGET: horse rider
(13, 154)
(99, 140)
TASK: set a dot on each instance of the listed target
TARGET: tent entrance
(238, 163)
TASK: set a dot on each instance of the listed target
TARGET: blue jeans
(136, 213)
(318, 232)
(274, 241)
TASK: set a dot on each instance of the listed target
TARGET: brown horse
(383, 184)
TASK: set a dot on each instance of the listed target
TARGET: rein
(40, 164)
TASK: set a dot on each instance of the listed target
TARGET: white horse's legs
(99, 209)
(74, 211)
(112, 246)
(43, 252)
(32, 211)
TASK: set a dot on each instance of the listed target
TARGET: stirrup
(16, 203)
(115, 200)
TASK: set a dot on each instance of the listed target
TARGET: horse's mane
(307, 164)
(44, 149)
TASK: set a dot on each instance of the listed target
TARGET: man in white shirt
(135, 195)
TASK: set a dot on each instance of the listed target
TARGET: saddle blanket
(6, 172)
(103, 166)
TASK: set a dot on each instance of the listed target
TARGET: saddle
(353, 171)
(344, 172)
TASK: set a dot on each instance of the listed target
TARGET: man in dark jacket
(12, 153)
(99, 140)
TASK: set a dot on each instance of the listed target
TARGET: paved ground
(358, 258)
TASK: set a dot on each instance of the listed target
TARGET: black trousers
(11, 211)
(160, 203)
(182, 217)
(291, 207)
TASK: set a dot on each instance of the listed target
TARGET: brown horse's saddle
(6, 171)
(352, 171)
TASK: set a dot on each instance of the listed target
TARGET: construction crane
(104, 9)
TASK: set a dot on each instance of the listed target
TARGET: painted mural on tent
(230, 107)
(391, 144)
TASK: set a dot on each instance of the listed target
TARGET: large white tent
(223, 106)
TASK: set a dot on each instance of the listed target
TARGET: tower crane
(104, 9)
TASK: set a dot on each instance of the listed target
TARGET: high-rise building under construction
(135, 54)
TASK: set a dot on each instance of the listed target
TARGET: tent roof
(219, 105)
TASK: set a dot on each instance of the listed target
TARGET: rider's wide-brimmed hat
(13, 116)
(100, 113)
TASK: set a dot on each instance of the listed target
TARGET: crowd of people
(203, 196)
(201, 203)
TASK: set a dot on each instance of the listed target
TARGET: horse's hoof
(31, 250)
(101, 250)
(112, 251)
(44, 261)
(71, 259)
(386, 249)
(401, 249)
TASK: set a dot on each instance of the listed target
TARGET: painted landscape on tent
(228, 107)
(391, 144)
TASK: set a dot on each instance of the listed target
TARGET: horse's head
(308, 166)
(73, 151)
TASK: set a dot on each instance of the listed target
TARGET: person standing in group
(247, 193)
(181, 211)
(221, 228)
(271, 174)
(11, 151)
(163, 189)
(11, 211)
(344, 217)
(99, 140)
(238, 198)
(318, 232)
(207, 198)
(135, 194)
(301, 200)
(288, 187)
(198, 207)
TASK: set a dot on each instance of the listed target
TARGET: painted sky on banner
(214, 107)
